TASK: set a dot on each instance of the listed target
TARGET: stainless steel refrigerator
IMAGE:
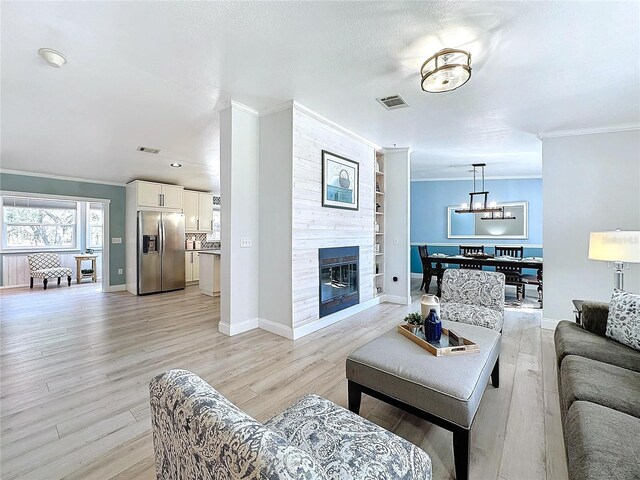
(160, 252)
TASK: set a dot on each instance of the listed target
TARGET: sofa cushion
(572, 339)
(623, 322)
(601, 443)
(472, 315)
(197, 433)
(601, 383)
(346, 445)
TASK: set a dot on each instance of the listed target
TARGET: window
(38, 223)
(94, 225)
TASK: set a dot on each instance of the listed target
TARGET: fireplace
(338, 278)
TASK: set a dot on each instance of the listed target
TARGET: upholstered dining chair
(45, 266)
(475, 297)
(428, 271)
(466, 249)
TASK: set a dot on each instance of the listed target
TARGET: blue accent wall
(51, 186)
(429, 202)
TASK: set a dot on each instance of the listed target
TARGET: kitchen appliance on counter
(160, 252)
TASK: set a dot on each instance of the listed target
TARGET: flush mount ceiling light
(176, 165)
(53, 58)
(447, 70)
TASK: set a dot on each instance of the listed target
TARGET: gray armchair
(475, 297)
(197, 433)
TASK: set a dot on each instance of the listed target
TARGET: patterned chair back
(474, 287)
(40, 261)
(197, 433)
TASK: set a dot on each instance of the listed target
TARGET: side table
(577, 309)
(79, 274)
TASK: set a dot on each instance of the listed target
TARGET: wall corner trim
(277, 328)
(236, 328)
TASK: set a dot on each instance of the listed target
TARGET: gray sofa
(199, 434)
(599, 389)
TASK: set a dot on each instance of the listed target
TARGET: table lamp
(619, 247)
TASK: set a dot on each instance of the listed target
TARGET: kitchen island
(210, 272)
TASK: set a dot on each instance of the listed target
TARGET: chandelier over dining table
(478, 200)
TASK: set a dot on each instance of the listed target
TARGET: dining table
(535, 263)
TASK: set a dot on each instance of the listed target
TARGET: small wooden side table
(577, 309)
(79, 274)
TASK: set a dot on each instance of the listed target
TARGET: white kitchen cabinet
(190, 208)
(191, 266)
(198, 211)
(158, 195)
(205, 212)
(210, 273)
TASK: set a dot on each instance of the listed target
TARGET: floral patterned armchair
(197, 433)
(475, 297)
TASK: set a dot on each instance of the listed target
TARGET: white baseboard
(117, 288)
(237, 328)
(277, 328)
(399, 299)
(549, 323)
(334, 317)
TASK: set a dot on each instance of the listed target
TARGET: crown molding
(276, 108)
(60, 177)
(623, 127)
(240, 106)
(467, 179)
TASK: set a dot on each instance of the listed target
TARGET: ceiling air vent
(148, 150)
(393, 102)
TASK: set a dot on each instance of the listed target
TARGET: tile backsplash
(202, 237)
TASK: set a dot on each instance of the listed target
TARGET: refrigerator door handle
(198, 224)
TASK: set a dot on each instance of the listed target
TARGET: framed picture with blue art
(340, 181)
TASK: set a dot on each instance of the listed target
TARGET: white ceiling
(151, 74)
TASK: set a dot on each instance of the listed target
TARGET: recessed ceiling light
(53, 58)
(176, 165)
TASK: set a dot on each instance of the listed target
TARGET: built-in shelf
(378, 236)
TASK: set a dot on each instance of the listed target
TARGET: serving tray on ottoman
(444, 347)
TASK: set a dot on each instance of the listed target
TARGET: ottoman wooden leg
(355, 396)
(31, 284)
(69, 281)
(461, 444)
(495, 374)
(44, 283)
(59, 280)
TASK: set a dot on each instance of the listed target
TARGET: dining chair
(428, 271)
(512, 274)
(466, 249)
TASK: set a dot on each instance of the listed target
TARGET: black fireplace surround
(338, 278)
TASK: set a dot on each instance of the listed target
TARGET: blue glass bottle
(432, 326)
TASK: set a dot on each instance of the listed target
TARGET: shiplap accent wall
(315, 226)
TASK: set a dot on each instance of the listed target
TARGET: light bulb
(464, 206)
(477, 205)
(508, 214)
(492, 204)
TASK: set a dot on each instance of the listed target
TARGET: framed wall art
(340, 181)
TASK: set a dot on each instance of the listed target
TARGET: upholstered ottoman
(444, 390)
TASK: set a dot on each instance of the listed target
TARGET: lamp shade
(617, 246)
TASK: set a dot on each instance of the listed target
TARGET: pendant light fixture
(474, 205)
(445, 71)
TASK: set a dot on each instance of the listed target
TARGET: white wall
(276, 178)
(591, 183)
(239, 192)
(396, 226)
(315, 226)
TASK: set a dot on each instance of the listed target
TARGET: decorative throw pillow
(623, 322)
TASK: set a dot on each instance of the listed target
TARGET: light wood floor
(76, 365)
